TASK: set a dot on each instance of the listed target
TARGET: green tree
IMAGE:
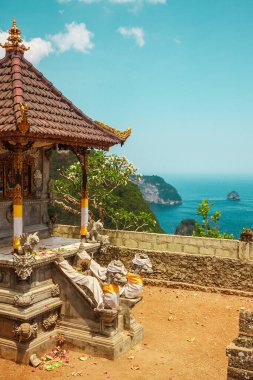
(209, 226)
(108, 178)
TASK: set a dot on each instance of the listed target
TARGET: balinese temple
(35, 118)
(40, 304)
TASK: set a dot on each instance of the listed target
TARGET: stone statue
(115, 277)
(141, 265)
(94, 235)
(28, 243)
(25, 331)
(94, 229)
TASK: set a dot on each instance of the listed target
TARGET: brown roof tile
(50, 114)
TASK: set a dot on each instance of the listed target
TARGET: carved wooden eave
(123, 135)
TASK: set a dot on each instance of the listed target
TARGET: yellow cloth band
(17, 211)
(16, 242)
(110, 288)
(84, 203)
(83, 230)
(136, 279)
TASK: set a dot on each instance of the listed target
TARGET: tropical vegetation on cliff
(112, 197)
(209, 226)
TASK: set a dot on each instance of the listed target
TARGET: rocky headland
(155, 190)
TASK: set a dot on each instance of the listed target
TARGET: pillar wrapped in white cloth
(80, 279)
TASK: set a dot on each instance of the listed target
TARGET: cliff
(155, 190)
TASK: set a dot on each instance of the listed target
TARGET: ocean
(234, 214)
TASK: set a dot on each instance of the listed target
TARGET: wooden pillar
(84, 195)
(17, 198)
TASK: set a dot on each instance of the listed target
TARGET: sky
(178, 72)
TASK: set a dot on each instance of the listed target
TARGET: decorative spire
(122, 135)
(14, 40)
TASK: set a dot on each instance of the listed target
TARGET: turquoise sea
(234, 214)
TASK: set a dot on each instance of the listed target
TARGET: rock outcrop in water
(233, 196)
(155, 190)
(186, 227)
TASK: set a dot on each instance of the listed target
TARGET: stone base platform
(38, 302)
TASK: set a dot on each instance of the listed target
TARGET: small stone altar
(240, 351)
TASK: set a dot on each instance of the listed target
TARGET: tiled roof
(51, 116)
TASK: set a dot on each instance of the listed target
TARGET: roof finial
(14, 41)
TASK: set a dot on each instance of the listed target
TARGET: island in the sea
(155, 190)
(233, 196)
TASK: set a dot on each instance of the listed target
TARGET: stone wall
(189, 269)
(233, 249)
(216, 264)
(182, 244)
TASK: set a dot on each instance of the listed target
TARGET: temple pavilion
(36, 118)
(42, 305)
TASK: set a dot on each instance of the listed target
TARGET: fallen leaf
(135, 367)
(83, 358)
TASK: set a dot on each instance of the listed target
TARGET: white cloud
(125, 1)
(136, 2)
(177, 41)
(39, 49)
(134, 32)
(89, 1)
(154, 2)
(80, 1)
(3, 39)
(77, 37)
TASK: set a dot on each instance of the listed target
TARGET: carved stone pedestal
(38, 302)
(240, 351)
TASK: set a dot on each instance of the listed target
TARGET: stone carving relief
(5, 277)
(55, 290)
(37, 178)
(50, 321)
(9, 214)
(23, 301)
(23, 265)
(25, 331)
(35, 154)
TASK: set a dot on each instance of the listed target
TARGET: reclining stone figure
(115, 278)
(97, 270)
(141, 265)
(89, 282)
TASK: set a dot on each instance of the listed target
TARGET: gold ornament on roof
(24, 125)
(14, 41)
(122, 135)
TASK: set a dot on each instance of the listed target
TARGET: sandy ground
(186, 334)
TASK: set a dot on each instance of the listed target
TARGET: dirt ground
(185, 338)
